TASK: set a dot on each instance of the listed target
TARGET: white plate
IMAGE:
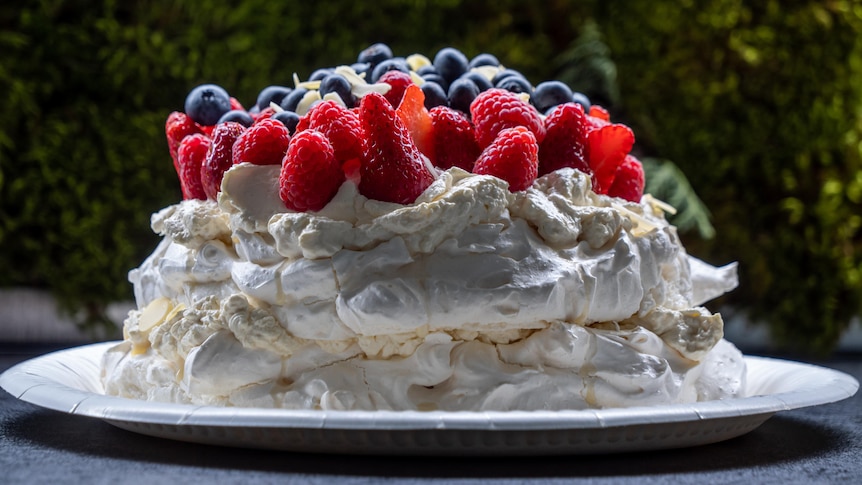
(68, 381)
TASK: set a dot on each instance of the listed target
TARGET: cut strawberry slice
(415, 117)
(607, 147)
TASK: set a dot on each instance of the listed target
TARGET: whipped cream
(471, 298)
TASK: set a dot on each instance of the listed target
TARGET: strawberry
(597, 111)
(177, 127)
(310, 175)
(607, 147)
(339, 124)
(495, 110)
(399, 82)
(219, 156)
(565, 141)
(393, 169)
(264, 143)
(415, 117)
(513, 156)
(454, 139)
(628, 180)
(190, 156)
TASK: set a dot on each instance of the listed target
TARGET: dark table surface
(822, 444)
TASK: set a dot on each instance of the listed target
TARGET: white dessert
(472, 298)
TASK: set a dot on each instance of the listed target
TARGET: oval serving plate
(68, 381)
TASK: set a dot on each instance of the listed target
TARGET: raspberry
(177, 127)
(264, 114)
(513, 156)
(219, 156)
(495, 110)
(190, 156)
(339, 124)
(629, 180)
(607, 147)
(415, 117)
(399, 82)
(310, 175)
(264, 143)
(564, 143)
(454, 139)
(393, 169)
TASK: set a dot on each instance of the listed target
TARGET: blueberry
(436, 78)
(484, 59)
(288, 119)
(481, 81)
(450, 63)
(237, 115)
(338, 84)
(429, 69)
(515, 84)
(361, 68)
(504, 74)
(375, 54)
(549, 94)
(395, 64)
(319, 74)
(434, 95)
(582, 100)
(291, 101)
(462, 92)
(271, 94)
(206, 103)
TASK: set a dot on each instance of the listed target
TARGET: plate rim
(24, 381)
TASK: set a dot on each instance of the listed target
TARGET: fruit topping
(240, 116)
(454, 142)
(392, 169)
(219, 157)
(263, 144)
(629, 180)
(339, 124)
(513, 156)
(498, 109)
(565, 141)
(549, 94)
(606, 148)
(190, 156)
(207, 103)
(178, 126)
(310, 175)
(271, 94)
(288, 118)
(375, 54)
(450, 63)
(416, 119)
(399, 82)
(462, 92)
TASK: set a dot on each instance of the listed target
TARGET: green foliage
(668, 183)
(759, 104)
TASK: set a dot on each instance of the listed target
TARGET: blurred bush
(757, 104)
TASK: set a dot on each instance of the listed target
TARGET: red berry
(264, 143)
(392, 168)
(415, 117)
(235, 104)
(310, 175)
(264, 114)
(513, 156)
(597, 111)
(178, 126)
(607, 147)
(495, 110)
(565, 142)
(339, 124)
(219, 156)
(399, 82)
(628, 180)
(190, 156)
(454, 139)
